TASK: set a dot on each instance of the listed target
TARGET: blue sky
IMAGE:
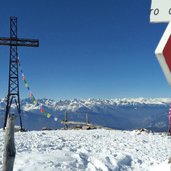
(88, 49)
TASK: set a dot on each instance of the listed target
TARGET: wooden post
(9, 145)
(66, 117)
(87, 119)
(66, 120)
(169, 160)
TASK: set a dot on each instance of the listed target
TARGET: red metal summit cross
(13, 83)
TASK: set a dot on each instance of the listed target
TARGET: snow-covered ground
(90, 150)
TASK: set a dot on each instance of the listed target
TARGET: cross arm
(19, 42)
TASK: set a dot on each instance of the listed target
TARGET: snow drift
(93, 150)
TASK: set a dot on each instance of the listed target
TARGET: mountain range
(124, 114)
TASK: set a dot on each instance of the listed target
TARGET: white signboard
(160, 11)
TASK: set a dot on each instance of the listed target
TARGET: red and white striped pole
(161, 12)
(170, 120)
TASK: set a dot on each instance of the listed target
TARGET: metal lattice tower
(13, 96)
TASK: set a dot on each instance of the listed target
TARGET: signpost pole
(161, 12)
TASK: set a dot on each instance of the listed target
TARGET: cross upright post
(13, 82)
